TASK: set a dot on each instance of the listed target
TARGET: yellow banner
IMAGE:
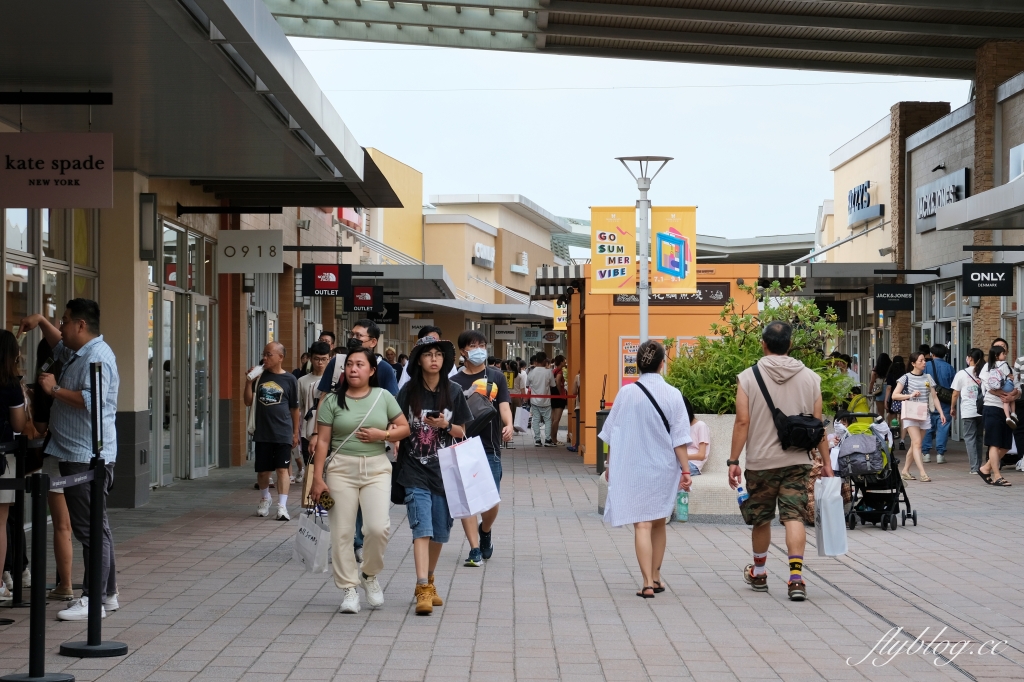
(561, 317)
(613, 250)
(674, 250)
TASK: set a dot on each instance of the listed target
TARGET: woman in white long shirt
(648, 461)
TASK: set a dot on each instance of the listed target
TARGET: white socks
(282, 500)
(265, 493)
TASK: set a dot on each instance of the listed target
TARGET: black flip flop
(660, 588)
(643, 593)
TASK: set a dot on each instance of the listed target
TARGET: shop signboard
(57, 170)
(416, 325)
(613, 249)
(483, 256)
(859, 208)
(894, 297)
(250, 251)
(532, 335)
(988, 279)
(505, 332)
(552, 337)
(388, 315)
(673, 265)
(561, 316)
(326, 279)
(708, 293)
(365, 299)
(928, 199)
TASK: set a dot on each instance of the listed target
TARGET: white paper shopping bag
(522, 421)
(312, 542)
(468, 481)
(829, 516)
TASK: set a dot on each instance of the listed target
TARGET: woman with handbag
(966, 391)
(892, 408)
(916, 393)
(648, 430)
(354, 422)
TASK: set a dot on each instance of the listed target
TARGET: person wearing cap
(437, 411)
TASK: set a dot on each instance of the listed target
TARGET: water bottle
(682, 506)
(742, 495)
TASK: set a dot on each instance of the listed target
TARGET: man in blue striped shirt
(77, 344)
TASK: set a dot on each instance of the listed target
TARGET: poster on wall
(674, 250)
(613, 249)
(561, 316)
(628, 347)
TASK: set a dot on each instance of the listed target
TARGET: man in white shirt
(309, 400)
(540, 381)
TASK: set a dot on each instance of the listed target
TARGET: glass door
(168, 359)
(199, 438)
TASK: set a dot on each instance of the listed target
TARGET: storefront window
(16, 224)
(918, 304)
(85, 287)
(948, 294)
(83, 235)
(54, 233)
(208, 268)
(55, 294)
(18, 287)
(194, 244)
(170, 256)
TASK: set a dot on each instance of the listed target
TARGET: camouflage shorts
(785, 487)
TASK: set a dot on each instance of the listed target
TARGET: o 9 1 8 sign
(250, 251)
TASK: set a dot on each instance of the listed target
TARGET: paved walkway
(210, 592)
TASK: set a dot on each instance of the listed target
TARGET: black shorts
(273, 456)
(997, 433)
(559, 402)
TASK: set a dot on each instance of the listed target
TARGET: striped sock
(796, 567)
(759, 561)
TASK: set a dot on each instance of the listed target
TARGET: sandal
(1001, 482)
(985, 477)
(643, 593)
(658, 587)
(925, 479)
(907, 477)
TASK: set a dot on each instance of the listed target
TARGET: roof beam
(410, 35)
(963, 5)
(773, 63)
(406, 14)
(755, 19)
(730, 40)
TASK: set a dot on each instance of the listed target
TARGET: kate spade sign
(57, 170)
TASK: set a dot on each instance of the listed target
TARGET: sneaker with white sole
(26, 579)
(5, 594)
(110, 602)
(940, 459)
(350, 603)
(79, 610)
(282, 513)
(264, 508)
(7, 580)
(374, 592)
(927, 458)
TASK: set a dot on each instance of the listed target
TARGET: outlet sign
(326, 279)
(57, 170)
(987, 279)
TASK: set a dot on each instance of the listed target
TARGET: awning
(548, 292)
(407, 281)
(560, 274)
(1000, 208)
(830, 275)
(534, 312)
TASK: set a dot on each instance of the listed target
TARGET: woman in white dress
(647, 431)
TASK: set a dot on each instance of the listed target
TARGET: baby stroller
(866, 458)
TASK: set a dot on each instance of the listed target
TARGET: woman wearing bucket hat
(437, 411)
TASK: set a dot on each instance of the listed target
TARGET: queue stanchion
(40, 485)
(94, 646)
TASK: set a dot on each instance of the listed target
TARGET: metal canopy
(935, 38)
(208, 89)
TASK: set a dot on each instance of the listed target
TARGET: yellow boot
(436, 600)
(424, 600)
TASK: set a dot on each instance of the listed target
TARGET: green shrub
(706, 372)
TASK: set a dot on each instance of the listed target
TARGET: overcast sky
(751, 146)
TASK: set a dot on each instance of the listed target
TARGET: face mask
(477, 356)
(354, 344)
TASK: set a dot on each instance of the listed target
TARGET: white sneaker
(264, 508)
(8, 581)
(5, 594)
(110, 602)
(927, 458)
(374, 593)
(282, 513)
(350, 604)
(302, 474)
(940, 459)
(79, 610)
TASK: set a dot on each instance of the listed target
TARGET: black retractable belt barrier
(40, 485)
(94, 646)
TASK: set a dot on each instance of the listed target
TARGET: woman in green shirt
(354, 422)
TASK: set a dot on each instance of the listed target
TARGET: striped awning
(547, 292)
(559, 274)
(780, 272)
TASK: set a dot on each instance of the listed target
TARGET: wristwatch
(55, 389)
(448, 429)
(732, 462)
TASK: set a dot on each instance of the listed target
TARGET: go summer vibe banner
(613, 249)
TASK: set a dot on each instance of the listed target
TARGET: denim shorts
(428, 515)
(495, 462)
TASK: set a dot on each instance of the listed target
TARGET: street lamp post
(643, 183)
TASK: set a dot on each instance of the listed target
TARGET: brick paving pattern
(210, 592)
